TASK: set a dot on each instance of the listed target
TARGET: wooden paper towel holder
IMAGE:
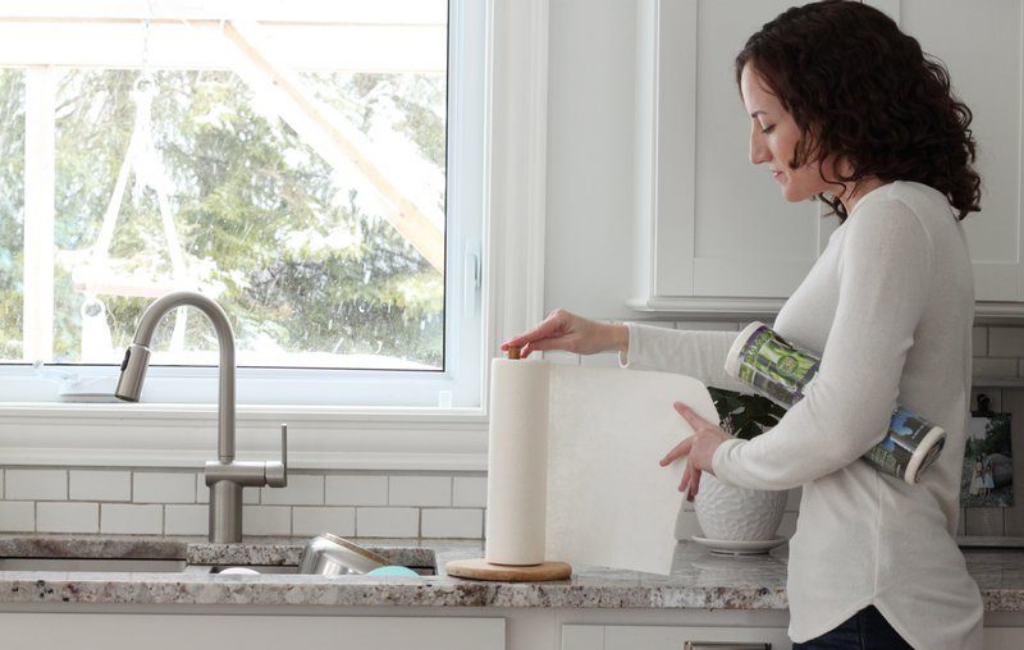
(481, 569)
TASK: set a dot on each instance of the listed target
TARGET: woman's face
(773, 138)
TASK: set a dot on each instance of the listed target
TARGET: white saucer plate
(736, 547)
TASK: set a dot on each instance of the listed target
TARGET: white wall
(590, 156)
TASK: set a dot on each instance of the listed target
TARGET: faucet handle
(277, 472)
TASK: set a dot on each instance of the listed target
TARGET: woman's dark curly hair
(862, 90)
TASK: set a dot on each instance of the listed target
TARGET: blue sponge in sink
(392, 571)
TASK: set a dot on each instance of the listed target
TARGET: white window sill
(185, 435)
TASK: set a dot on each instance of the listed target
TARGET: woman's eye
(767, 129)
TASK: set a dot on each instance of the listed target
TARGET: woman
(845, 107)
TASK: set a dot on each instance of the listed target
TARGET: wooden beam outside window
(329, 134)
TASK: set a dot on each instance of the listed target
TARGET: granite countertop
(699, 579)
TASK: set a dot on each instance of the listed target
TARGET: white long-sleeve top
(890, 307)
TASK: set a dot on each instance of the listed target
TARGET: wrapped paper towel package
(573, 470)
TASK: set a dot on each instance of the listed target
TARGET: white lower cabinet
(1004, 638)
(664, 637)
(196, 632)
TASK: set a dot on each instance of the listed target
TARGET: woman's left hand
(700, 448)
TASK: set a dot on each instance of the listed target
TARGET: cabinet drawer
(198, 632)
(659, 637)
(1004, 638)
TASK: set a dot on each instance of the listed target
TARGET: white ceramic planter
(737, 514)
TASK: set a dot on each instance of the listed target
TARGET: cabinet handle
(716, 645)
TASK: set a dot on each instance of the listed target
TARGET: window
(12, 208)
(316, 170)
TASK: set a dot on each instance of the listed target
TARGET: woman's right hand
(566, 331)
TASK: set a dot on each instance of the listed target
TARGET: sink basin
(214, 570)
(106, 565)
(294, 570)
(130, 557)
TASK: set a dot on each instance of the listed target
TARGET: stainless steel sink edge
(423, 561)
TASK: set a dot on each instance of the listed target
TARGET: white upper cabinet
(980, 43)
(712, 231)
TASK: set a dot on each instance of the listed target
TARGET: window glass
(221, 196)
(299, 179)
(12, 210)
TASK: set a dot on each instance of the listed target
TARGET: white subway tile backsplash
(469, 492)
(92, 485)
(986, 522)
(313, 521)
(1005, 342)
(67, 517)
(266, 520)
(250, 496)
(669, 325)
(604, 360)
(17, 516)
(302, 490)
(164, 487)
(357, 490)
(994, 367)
(452, 522)
(186, 520)
(560, 358)
(979, 341)
(387, 522)
(131, 519)
(150, 500)
(37, 484)
(420, 490)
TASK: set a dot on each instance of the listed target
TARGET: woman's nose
(759, 153)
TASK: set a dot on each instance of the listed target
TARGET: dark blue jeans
(865, 630)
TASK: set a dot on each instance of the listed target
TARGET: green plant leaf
(745, 415)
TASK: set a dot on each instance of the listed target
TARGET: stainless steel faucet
(225, 476)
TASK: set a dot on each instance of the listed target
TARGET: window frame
(512, 266)
(458, 384)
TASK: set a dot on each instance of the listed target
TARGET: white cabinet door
(713, 233)
(711, 228)
(980, 43)
(191, 632)
(655, 637)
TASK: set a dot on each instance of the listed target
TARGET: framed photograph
(987, 480)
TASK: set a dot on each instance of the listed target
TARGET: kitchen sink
(214, 570)
(131, 558)
(423, 571)
(105, 565)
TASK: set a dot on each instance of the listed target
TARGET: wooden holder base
(481, 569)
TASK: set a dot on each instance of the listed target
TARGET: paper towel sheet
(609, 503)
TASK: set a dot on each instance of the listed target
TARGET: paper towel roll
(517, 462)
